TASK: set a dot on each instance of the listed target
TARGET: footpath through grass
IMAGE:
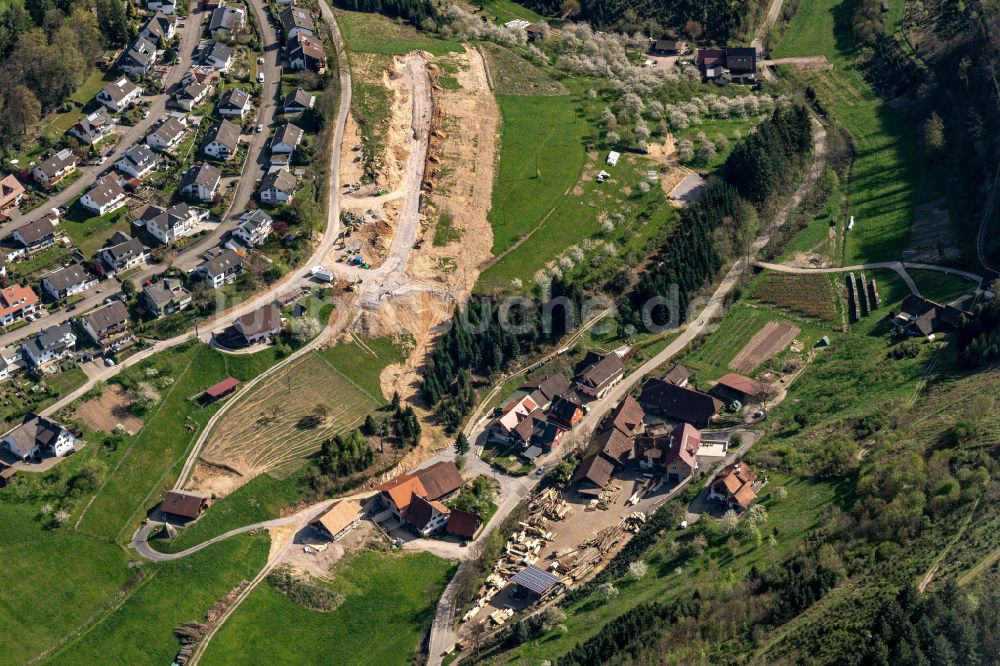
(890, 179)
(389, 601)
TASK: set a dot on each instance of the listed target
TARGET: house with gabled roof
(67, 281)
(426, 516)
(218, 56)
(734, 486)
(226, 22)
(185, 504)
(235, 103)
(192, 94)
(138, 161)
(37, 235)
(277, 187)
(566, 410)
(93, 127)
(510, 416)
(160, 27)
(55, 168)
(139, 59)
(104, 196)
(107, 326)
(430, 484)
(222, 140)
(170, 224)
(38, 436)
(254, 228)
(296, 21)
(11, 192)
(119, 95)
(165, 297)
(286, 139)
(222, 268)
(168, 135)
(201, 181)
(49, 345)
(125, 255)
(306, 52)
(298, 101)
(599, 374)
(678, 403)
(339, 519)
(16, 301)
(259, 325)
(675, 454)
(627, 416)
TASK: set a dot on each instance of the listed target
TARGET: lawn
(890, 180)
(140, 630)
(90, 232)
(362, 361)
(389, 601)
(374, 33)
(503, 11)
(154, 456)
(940, 287)
(62, 577)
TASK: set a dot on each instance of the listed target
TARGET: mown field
(374, 33)
(389, 601)
(502, 11)
(890, 178)
(140, 629)
(940, 287)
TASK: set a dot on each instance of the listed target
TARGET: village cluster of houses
(417, 500)
(552, 405)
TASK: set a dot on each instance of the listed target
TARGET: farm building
(921, 317)
(222, 389)
(668, 47)
(732, 386)
(593, 474)
(184, 504)
(426, 517)
(428, 484)
(678, 403)
(463, 524)
(565, 411)
(675, 455)
(534, 582)
(627, 416)
(598, 375)
(339, 519)
(678, 376)
(544, 390)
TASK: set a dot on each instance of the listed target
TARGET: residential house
(255, 226)
(165, 297)
(286, 139)
(222, 268)
(11, 192)
(218, 56)
(201, 181)
(734, 486)
(67, 281)
(678, 375)
(924, 318)
(38, 436)
(668, 47)
(544, 390)
(339, 519)
(11, 360)
(306, 52)
(139, 59)
(296, 21)
(525, 429)
(201, 74)
(711, 62)
(565, 410)
(676, 454)
(510, 416)
(168, 7)
(733, 387)
(124, 256)
(192, 94)
(165, 137)
(678, 403)
(426, 517)
(463, 524)
(742, 62)
(260, 325)
(55, 168)
(235, 103)
(16, 302)
(50, 344)
(398, 493)
(119, 95)
(277, 187)
(184, 504)
(160, 28)
(108, 325)
(599, 374)
(93, 127)
(298, 101)
(222, 140)
(170, 224)
(138, 161)
(614, 445)
(37, 235)
(226, 22)
(105, 196)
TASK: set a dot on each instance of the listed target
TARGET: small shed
(463, 523)
(613, 157)
(339, 519)
(222, 389)
(534, 582)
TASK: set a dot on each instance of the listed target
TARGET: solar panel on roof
(535, 580)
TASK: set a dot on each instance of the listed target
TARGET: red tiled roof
(222, 388)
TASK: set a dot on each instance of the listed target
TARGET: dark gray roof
(205, 175)
(298, 98)
(225, 133)
(255, 219)
(169, 217)
(141, 155)
(534, 579)
(296, 17)
(164, 291)
(106, 190)
(280, 179)
(133, 247)
(32, 232)
(235, 98)
(64, 278)
(219, 51)
(49, 339)
(34, 431)
(289, 134)
(58, 162)
(170, 128)
(112, 314)
(221, 264)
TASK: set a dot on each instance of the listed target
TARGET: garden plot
(108, 411)
(767, 342)
(809, 294)
(285, 419)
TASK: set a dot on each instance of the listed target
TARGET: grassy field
(890, 180)
(389, 602)
(362, 362)
(90, 232)
(63, 577)
(514, 75)
(940, 287)
(374, 33)
(541, 157)
(711, 360)
(152, 458)
(502, 11)
(285, 418)
(140, 630)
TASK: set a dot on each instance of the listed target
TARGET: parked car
(260, 128)
(101, 161)
(260, 60)
(260, 77)
(70, 308)
(109, 362)
(145, 114)
(540, 470)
